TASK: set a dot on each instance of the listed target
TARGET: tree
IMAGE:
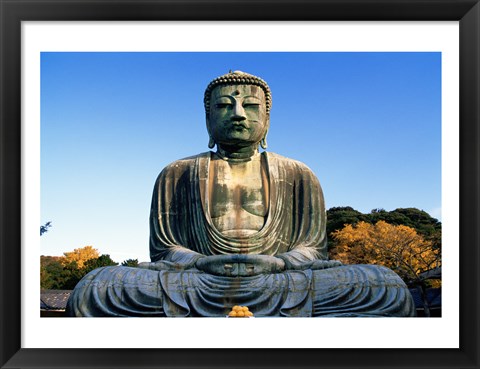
(421, 221)
(70, 275)
(50, 270)
(130, 263)
(44, 228)
(338, 217)
(81, 255)
(397, 247)
(101, 261)
(57, 274)
(64, 272)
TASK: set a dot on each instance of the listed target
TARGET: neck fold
(241, 154)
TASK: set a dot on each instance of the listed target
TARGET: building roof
(54, 299)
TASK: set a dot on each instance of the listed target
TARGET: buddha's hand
(164, 265)
(320, 264)
(240, 265)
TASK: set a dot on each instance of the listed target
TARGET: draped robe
(181, 228)
(182, 231)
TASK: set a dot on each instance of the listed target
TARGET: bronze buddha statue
(239, 227)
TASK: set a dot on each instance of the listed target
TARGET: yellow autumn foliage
(397, 247)
(80, 255)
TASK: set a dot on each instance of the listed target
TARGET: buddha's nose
(238, 112)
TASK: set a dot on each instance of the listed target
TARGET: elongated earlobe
(211, 143)
(263, 143)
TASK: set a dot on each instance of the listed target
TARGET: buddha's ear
(211, 141)
(263, 141)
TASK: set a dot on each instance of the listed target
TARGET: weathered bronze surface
(239, 227)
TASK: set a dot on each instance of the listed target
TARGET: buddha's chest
(238, 195)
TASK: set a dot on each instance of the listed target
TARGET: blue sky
(367, 124)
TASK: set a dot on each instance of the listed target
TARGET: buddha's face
(238, 115)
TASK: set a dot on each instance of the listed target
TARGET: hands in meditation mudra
(239, 227)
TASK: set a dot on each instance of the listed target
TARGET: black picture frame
(12, 13)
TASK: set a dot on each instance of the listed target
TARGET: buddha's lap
(350, 290)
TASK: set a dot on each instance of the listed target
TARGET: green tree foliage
(50, 269)
(63, 272)
(56, 274)
(101, 261)
(130, 263)
(420, 220)
(71, 275)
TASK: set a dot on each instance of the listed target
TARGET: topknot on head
(237, 78)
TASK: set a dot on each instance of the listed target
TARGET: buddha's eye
(251, 103)
(223, 105)
(251, 106)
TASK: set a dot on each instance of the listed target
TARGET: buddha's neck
(238, 154)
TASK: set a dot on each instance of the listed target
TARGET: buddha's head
(237, 107)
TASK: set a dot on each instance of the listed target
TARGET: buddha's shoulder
(288, 162)
(184, 164)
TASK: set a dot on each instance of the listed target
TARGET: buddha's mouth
(239, 126)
